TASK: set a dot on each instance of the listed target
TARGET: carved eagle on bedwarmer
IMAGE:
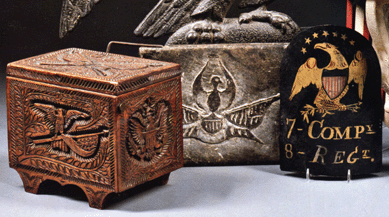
(169, 15)
(215, 127)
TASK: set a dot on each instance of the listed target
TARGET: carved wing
(47, 111)
(74, 115)
(72, 11)
(190, 115)
(199, 93)
(307, 74)
(228, 95)
(162, 114)
(357, 72)
(250, 116)
(46, 114)
(191, 121)
(169, 15)
(136, 131)
(235, 131)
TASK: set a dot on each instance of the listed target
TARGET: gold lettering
(291, 127)
(370, 129)
(318, 154)
(340, 135)
(288, 151)
(365, 156)
(338, 157)
(351, 154)
(336, 133)
(359, 130)
(331, 133)
(310, 128)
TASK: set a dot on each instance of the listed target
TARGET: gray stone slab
(230, 101)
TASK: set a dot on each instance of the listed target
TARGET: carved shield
(212, 125)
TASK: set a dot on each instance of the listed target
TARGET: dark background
(30, 27)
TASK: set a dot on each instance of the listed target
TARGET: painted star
(308, 41)
(325, 33)
(352, 42)
(335, 34)
(344, 37)
(315, 35)
(304, 50)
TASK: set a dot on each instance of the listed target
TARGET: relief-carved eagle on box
(65, 130)
(149, 129)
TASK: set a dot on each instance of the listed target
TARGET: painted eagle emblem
(332, 80)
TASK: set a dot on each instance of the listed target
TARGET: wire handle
(131, 44)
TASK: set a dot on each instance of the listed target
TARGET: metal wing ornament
(72, 12)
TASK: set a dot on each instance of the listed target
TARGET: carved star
(315, 35)
(308, 41)
(304, 50)
(325, 33)
(352, 42)
(344, 37)
(335, 34)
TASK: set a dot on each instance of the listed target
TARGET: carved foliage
(61, 132)
(152, 135)
(92, 64)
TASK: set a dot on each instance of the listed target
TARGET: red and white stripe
(334, 85)
(356, 19)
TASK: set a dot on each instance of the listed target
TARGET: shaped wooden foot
(96, 197)
(31, 183)
(163, 180)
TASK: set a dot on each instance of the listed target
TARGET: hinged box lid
(92, 70)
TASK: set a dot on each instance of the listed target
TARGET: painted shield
(334, 85)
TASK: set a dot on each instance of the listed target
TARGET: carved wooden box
(100, 121)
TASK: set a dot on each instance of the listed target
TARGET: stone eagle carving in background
(72, 11)
(198, 21)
